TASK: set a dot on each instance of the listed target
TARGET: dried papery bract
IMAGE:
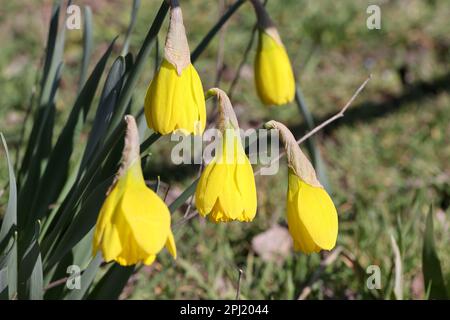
(134, 223)
(274, 78)
(176, 49)
(175, 98)
(311, 214)
(226, 190)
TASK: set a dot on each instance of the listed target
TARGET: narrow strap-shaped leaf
(43, 134)
(112, 283)
(182, 198)
(49, 85)
(10, 218)
(82, 223)
(134, 12)
(57, 168)
(87, 45)
(54, 54)
(4, 284)
(31, 283)
(311, 143)
(108, 99)
(431, 265)
(87, 278)
(8, 235)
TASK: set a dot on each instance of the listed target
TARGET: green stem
(211, 34)
(311, 143)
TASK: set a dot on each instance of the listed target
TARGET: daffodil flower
(175, 98)
(226, 190)
(134, 223)
(274, 78)
(311, 214)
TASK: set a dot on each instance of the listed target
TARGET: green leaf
(4, 284)
(87, 278)
(45, 118)
(49, 85)
(431, 265)
(54, 54)
(134, 12)
(57, 168)
(105, 110)
(112, 283)
(311, 143)
(182, 198)
(87, 45)
(82, 224)
(10, 218)
(31, 283)
(8, 235)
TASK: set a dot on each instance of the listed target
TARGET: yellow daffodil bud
(274, 78)
(226, 190)
(134, 223)
(311, 214)
(175, 98)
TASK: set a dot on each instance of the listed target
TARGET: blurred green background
(387, 160)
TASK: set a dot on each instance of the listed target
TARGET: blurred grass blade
(398, 280)
(87, 278)
(431, 265)
(87, 46)
(108, 99)
(8, 234)
(311, 143)
(134, 12)
(138, 67)
(112, 283)
(57, 169)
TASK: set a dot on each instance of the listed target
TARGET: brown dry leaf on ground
(273, 245)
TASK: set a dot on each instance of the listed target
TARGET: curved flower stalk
(134, 223)
(226, 190)
(274, 78)
(311, 214)
(175, 98)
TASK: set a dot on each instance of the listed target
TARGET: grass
(388, 160)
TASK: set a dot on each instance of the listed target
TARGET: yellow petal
(104, 218)
(150, 259)
(274, 78)
(226, 190)
(170, 245)
(245, 181)
(312, 216)
(208, 189)
(146, 214)
(175, 101)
